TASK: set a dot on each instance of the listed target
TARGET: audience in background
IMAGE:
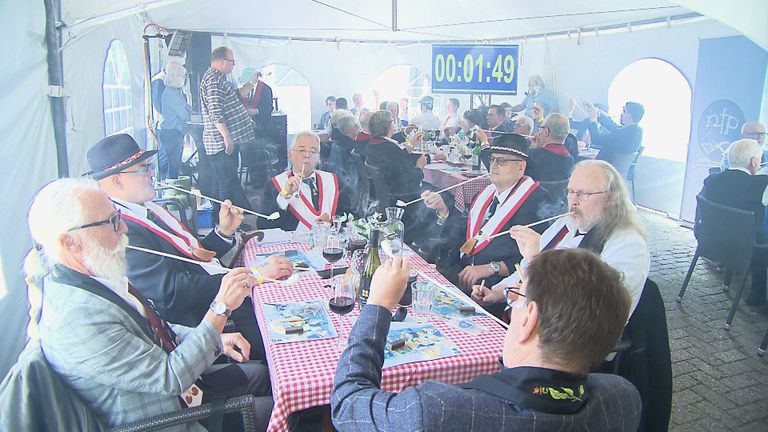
(550, 159)
(426, 119)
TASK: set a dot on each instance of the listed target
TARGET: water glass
(423, 297)
(320, 231)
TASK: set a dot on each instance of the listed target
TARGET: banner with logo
(730, 85)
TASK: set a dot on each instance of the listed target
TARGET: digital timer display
(474, 69)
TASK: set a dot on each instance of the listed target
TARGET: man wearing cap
(620, 139)
(182, 291)
(302, 195)
(226, 125)
(511, 199)
(426, 120)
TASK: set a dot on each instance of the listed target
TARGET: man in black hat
(182, 291)
(511, 199)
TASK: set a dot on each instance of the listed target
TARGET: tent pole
(56, 83)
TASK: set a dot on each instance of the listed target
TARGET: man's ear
(68, 243)
(529, 323)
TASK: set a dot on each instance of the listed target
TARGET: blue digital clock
(474, 69)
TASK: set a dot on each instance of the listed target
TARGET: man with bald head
(749, 130)
(550, 159)
(105, 339)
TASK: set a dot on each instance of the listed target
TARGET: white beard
(104, 263)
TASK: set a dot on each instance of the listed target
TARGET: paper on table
(275, 236)
(422, 342)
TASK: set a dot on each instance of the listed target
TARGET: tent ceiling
(424, 20)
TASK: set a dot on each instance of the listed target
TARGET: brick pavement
(718, 379)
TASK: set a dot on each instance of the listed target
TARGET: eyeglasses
(230, 60)
(581, 195)
(143, 170)
(511, 295)
(500, 161)
(115, 220)
(312, 153)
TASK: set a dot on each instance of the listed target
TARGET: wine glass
(337, 221)
(342, 302)
(333, 251)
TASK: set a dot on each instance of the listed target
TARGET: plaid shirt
(221, 103)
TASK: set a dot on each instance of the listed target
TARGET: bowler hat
(114, 154)
(509, 143)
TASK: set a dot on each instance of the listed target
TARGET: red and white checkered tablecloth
(441, 176)
(302, 372)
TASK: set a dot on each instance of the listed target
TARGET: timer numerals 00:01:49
(445, 68)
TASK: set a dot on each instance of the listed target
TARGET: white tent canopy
(326, 43)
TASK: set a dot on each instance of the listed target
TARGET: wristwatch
(222, 235)
(220, 308)
(496, 267)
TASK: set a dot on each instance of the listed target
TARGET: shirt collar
(137, 209)
(120, 287)
(740, 169)
(503, 195)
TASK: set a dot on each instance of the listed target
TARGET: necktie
(313, 189)
(164, 334)
(492, 208)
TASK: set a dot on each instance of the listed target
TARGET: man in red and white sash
(604, 220)
(182, 291)
(511, 199)
(302, 194)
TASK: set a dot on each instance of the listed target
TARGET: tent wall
(27, 157)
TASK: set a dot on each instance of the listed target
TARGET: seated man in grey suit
(105, 339)
(565, 318)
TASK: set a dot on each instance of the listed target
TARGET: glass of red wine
(342, 302)
(333, 250)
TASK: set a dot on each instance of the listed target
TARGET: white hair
(337, 115)
(303, 134)
(57, 208)
(175, 75)
(347, 122)
(528, 122)
(558, 126)
(741, 152)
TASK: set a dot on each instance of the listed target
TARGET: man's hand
(230, 217)
(252, 111)
(389, 282)
(470, 274)
(235, 286)
(440, 157)
(528, 241)
(484, 295)
(292, 185)
(277, 267)
(435, 201)
(234, 342)
(421, 162)
(229, 146)
(482, 137)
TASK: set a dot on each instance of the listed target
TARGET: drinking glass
(342, 302)
(320, 230)
(333, 251)
(423, 297)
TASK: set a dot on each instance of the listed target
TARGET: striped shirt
(221, 103)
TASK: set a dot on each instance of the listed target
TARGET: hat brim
(506, 150)
(114, 170)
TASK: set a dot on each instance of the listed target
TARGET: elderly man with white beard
(604, 220)
(105, 339)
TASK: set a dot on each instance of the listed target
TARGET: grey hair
(537, 79)
(527, 120)
(379, 123)
(303, 134)
(620, 214)
(558, 126)
(175, 74)
(56, 209)
(337, 115)
(347, 122)
(741, 152)
(750, 126)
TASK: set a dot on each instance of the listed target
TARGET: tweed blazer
(107, 358)
(357, 403)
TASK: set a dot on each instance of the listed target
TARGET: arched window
(116, 91)
(404, 81)
(666, 96)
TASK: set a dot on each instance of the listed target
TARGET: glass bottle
(372, 262)
(394, 229)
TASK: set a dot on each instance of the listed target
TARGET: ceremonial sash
(302, 207)
(504, 212)
(560, 236)
(257, 94)
(178, 237)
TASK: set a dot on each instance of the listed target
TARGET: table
(302, 372)
(588, 153)
(443, 175)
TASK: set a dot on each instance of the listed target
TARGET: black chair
(362, 197)
(632, 169)
(725, 235)
(763, 345)
(185, 213)
(257, 164)
(381, 192)
(40, 400)
(647, 362)
(556, 190)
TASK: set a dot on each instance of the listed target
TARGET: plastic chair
(726, 235)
